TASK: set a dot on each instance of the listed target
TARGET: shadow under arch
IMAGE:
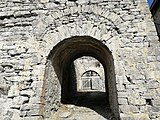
(68, 50)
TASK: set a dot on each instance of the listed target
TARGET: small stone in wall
(44, 1)
(4, 89)
(29, 93)
(17, 1)
(13, 91)
(65, 114)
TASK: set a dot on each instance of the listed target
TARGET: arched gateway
(59, 80)
(40, 40)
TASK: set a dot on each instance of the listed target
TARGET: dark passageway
(65, 53)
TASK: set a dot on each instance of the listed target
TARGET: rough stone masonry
(39, 38)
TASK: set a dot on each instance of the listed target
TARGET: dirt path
(73, 112)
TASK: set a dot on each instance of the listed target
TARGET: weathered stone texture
(30, 29)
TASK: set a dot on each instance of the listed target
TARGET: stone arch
(94, 71)
(72, 29)
(51, 26)
(57, 79)
(44, 23)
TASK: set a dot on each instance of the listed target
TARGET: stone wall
(29, 30)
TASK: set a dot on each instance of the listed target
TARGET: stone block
(143, 109)
(17, 1)
(132, 86)
(21, 13)
(82, 1)
(151, 58)
(138, 39)
(14, 91)
(106, 36)
(33, 112)
(122, 101)
(25, 107)
(139, 76)
(128, 109)
(15, 107)
(23, 114)
(128, 17)
(44, 1)
(153, 109)
(33, 118)
(120, 87)
(3, 88)
(20, 100)
(37, 84)
(153, 84)
(123, 94)
(156, 101)
(154, 112)
(28, 93)
(133, 30)
(137, 116)
(135, 99)
(158, 58)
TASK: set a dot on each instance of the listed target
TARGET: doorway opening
(87, 78)
(80, 84)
